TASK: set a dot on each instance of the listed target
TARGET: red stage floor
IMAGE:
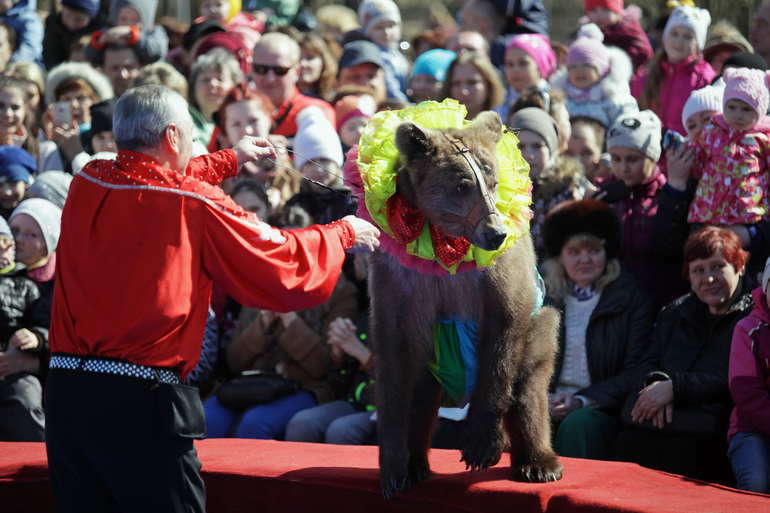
(269, 476)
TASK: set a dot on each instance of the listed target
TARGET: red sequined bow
(406, 222)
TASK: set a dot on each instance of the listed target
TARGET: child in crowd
(749, 380)
(318, 156)
(529, 61)
(428, 75)
(677, 69)
(36, 226)
(733, 153)
(229, 15)
(99, 137)
(18, 119)
(596, 79)
(353, 112)
(16, 169)
(133, 24)
(381, 22)
(621, 29)
(76, 19)
(586, 144)
(22, 18)
(24, 328)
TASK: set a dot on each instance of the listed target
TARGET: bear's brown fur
(509, 406)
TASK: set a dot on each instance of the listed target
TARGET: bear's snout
(490, 233)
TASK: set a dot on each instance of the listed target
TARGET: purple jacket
(681, 79)
(749, 375)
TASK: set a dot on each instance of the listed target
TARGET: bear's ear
(487, 125)
(411, 140)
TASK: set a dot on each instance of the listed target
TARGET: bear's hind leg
(423, 417)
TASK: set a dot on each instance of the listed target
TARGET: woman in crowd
(318, 67)
(212, 76)
(605, 325)
(473, 81)
(676, 416)
(634, 144)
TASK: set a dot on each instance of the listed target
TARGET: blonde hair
(557, 283)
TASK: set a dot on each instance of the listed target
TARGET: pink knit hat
(612, 5)
(749, 85)
(588, 48)
(539, 48)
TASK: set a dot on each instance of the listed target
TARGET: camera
(672, 139)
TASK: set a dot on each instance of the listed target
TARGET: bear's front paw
(542, 471)
(481, 453)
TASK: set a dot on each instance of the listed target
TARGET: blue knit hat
(16, 164)
(434, 63)
(90, 7)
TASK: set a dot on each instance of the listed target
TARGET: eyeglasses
(261, 69)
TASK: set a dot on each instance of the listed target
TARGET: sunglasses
(261, 69)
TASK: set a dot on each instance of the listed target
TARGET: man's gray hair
(143, 113)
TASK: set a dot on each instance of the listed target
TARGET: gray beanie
(540, 122)
(637, 130)
(48, 217)
(51, 185)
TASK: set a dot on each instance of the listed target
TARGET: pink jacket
(732, 169)
(681, 79)
(749, 375)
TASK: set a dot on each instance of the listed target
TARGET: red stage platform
(269, 476)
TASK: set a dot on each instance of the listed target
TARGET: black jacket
(696, 360)
(617, 335)
(21, 306)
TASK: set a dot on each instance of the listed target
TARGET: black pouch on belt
(181, 411)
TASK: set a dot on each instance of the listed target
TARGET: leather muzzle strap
(484, 207)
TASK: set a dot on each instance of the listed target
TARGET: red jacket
(749, 374)
(141, 244)
(285, 117)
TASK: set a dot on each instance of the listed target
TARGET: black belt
(99, 365)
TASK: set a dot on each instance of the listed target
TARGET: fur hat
(51, 185)
(90, 7)
(354, 105)
(637, 130)
(612, 5)
(371, 12)
(706, 98)
(16, 164)
(574, 217)
(46, 215)
(67, 70)
(588, 48)
(433, 63)
(693, 18)
(749, 85)
(539, 48)
(540, 122)
(315, 139)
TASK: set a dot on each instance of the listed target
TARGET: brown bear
(451, 176)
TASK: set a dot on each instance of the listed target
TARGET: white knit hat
(706, 98)
(637, 130)
(693, 18)
(46, 215)
(315, 139)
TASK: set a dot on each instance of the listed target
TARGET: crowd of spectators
(649, 160)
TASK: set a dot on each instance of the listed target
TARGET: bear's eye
(487, 169)
(462, 189)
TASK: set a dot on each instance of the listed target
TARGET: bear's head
(452, 176)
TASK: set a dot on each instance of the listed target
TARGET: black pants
(107, 450)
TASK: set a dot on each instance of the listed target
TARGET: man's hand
(562, 404)
(367, 235)
(253, 149)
